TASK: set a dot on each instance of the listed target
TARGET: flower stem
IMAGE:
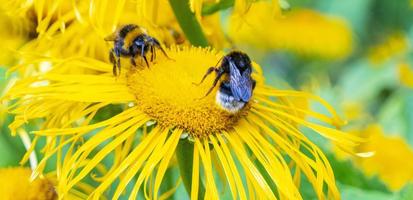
(210, 9)
(184, 155)
(188, 22)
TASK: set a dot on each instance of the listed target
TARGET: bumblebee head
(145, 40)
(240, 59)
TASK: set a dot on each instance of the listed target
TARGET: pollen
(167, 92)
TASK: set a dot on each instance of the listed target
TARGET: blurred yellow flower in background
(301, 31)
(15, 183)
(213, 31)
(18, 183)
(406, 74)
(392, 161)
(14, 31)
(353, 110)
(394, 45)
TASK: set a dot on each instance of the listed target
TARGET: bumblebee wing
(241, 84)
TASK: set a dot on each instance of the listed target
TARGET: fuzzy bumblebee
(131, 41)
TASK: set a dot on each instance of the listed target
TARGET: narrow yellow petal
(210, 190)
(195, 174)
(208, 169)
(267, 91)
(141, 158)
(142, 151)
(225, 165)
(252, 172)
(164, 164)
(313, 169)
(132, 112)
(233, 168)
(29, 151)
(275, 166)
(275, 106)
(156, 156)
(169, 193)
(105, 151)
(330, 133)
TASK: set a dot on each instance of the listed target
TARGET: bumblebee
(235, 90)
(132, 41)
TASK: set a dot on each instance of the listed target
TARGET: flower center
(166, 92)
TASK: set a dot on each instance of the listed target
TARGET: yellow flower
(14, 31)
(302, 31)
(164, 105)
(354, 110)
(18, 183)
(394, 45)
(406, 74)
(15, 183)
(212, 28)
(392, 159)
(90, 22)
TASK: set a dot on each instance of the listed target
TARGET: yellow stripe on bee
(132, 35)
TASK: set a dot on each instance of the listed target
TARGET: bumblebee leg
(152, 53)
(117, 53)
(209, 71)
(118, 65)
(158, 45)
(114, 70)
(164, 53)
(112, 59)
(132, 61)
(146, 61)
(143, 55)
(215, 83)
(112, 56)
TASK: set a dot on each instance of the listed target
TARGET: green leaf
(406, 193)
(9, 153)
(395, 115)
(351, 193)
(346, 173)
